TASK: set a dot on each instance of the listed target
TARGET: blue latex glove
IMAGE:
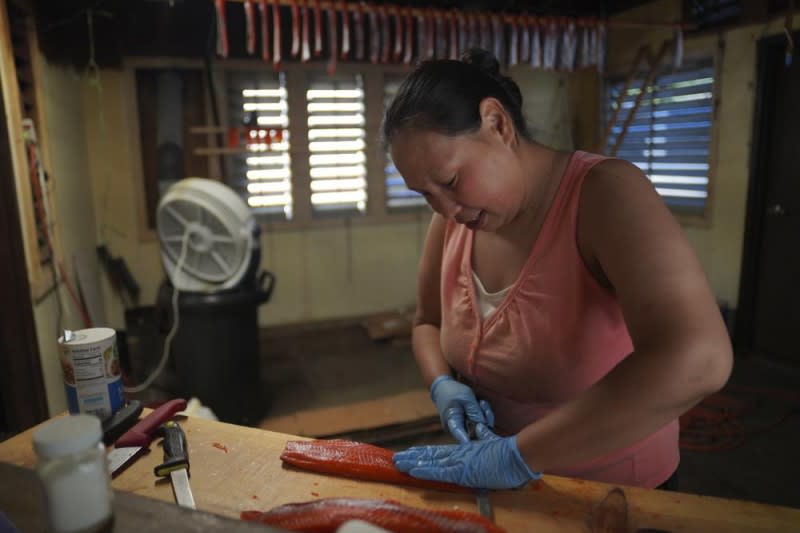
(456, 403)
(491, 462)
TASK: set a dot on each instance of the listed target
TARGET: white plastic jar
(73, 470)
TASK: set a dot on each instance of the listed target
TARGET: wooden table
(236, 468)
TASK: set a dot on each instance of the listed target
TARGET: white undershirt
(488, 301)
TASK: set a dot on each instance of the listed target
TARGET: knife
(121, 421)
(176, 463)
(138, 438)
(484, 505)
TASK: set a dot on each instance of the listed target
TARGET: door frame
(22, 393)
(743, 331)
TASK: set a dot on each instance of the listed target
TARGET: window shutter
(258, 99)
(669, 136)
(336, 145)
(398, 196)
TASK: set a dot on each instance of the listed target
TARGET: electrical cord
(724, 420)
(175, 322)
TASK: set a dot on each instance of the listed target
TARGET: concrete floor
(338, 365)
(765, 467)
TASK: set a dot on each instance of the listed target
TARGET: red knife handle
(142, 433)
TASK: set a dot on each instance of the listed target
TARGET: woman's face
(474, 179)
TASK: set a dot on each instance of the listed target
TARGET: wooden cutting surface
(236, 468)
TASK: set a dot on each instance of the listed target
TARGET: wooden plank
(42, 133)
(88, 275)
(21, 501)
(390, 324)
(386, 434)
(146, 102)
(407, 407)
(213, 150)
(235, 468)
(139, 166)
(23, 400)
(194, 112)
(208, 129)
(11, 98)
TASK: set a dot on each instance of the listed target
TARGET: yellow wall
(66, 143)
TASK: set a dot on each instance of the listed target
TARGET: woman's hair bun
(489, 65)
(444, 96)
(482, 59)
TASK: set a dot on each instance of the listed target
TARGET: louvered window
(336, 144)
(398, 196)
(257, 101)
(669, 136)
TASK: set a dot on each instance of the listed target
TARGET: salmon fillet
(327, 514)
(355, 460)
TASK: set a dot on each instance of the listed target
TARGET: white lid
(67, 435)
(88, 336)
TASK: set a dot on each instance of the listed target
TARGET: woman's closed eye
(450, 184)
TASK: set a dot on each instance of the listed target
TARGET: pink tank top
(556, 333)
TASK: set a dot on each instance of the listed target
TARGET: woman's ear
(496, 121)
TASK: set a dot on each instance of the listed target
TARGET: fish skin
(355, 460)
(328, 514)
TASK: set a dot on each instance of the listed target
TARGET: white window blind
(669, 136)
(263, 175)
(336, 144)
(398, 196)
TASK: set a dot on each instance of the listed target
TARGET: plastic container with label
(72, 467)
(92, 373)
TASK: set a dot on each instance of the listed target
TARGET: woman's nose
(445, 206)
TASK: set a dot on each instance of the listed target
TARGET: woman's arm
(425, 334)
(682, 351)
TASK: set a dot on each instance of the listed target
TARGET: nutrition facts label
(88, 367)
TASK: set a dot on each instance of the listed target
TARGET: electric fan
(209, 237)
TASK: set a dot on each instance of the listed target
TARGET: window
(398, 196)
(302, 148)
(669, 137)
(258, 110)
(336, 144)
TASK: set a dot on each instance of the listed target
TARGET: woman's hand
(491, 462)
(456, 404)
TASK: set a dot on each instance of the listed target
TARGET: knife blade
(121, 421)
(482, 495)
(484, 505)
(176, 463)
(138, 438)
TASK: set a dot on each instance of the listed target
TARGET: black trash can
(215, 351)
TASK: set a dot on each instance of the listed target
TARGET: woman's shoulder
(610, 180)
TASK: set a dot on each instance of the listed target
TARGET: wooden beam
(22, 389)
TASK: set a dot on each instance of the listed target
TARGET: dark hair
(444, 96)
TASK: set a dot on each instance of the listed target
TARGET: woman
(556, 286)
